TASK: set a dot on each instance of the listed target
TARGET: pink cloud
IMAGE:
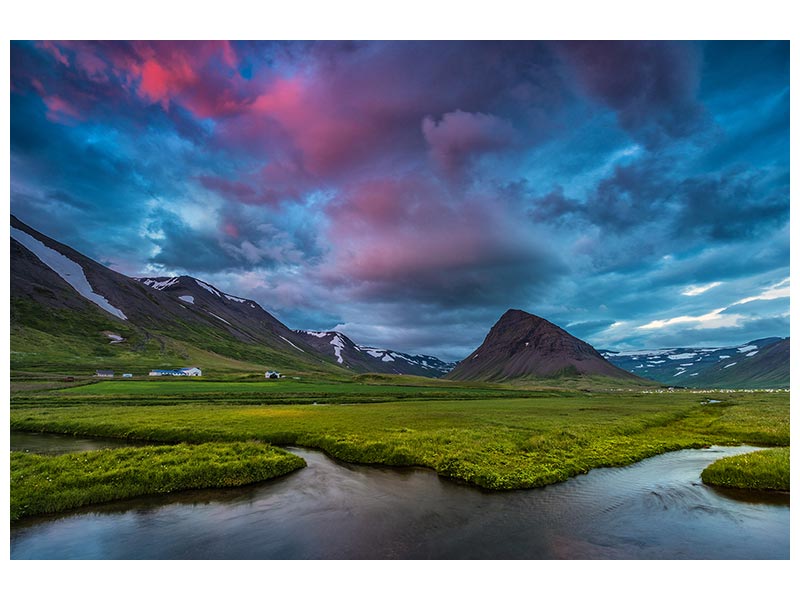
(278, 181)
(324, 134)
(53, 49)
(392, 238)
(459, 136)
(233, 190)
(61, 111)
(231, 229)
(95, 68)
(200, 76)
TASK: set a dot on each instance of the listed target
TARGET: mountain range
(762, 363)
(69, 313)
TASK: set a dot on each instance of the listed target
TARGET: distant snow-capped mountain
(731, 366)
(370, 359)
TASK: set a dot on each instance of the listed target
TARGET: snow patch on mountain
(218, 317)
(729, 365)
(319, 334)
(338, 345)
(67, 269)
(635, 353)
(208, 288)
(290, 343)
(189, 299)
(158, 285)
(683, 356)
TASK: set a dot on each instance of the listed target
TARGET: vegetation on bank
(762, 470)
(495, 443)
(47, 484)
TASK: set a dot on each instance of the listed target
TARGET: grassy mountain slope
(54, 328)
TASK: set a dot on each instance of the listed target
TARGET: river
(655, 509)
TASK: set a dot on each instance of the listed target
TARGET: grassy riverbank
(48, 484)
(762, 470)
(495, 443)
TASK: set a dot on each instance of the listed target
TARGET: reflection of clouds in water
(656, 508)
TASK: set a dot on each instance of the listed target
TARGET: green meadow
(762, 470)
(491, 436)
(370, 388)
(48, 484)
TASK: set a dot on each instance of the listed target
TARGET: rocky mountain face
(521, 345)
(78, 307)
(373, 360)
(762, 363)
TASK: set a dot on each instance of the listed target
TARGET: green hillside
(74, 342)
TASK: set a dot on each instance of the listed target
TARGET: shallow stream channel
(655, 509)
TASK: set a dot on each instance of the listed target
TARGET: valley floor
(492, 437)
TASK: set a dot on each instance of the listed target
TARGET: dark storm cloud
(652, 85)
(678, 214)
(734, 204)
(182, 248)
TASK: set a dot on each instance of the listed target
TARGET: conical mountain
(523, 346)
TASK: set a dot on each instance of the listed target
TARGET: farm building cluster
(183, 372)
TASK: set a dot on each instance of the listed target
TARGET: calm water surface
(54, 443)
(655, 509)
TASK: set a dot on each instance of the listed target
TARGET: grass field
(493, 437)
(763, 470)
(47, 484)
(259, 391)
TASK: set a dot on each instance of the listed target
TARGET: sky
(409, 193)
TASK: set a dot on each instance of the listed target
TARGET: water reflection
(657, 508)
(53, 443)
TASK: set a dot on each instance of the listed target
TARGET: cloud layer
(408, 193)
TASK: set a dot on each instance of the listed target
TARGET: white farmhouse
(191, 372)
(272, 375)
